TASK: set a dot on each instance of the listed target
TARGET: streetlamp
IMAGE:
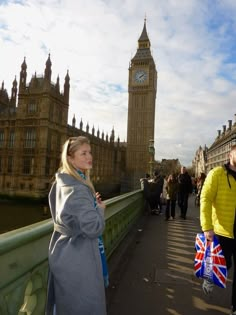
(151, 150)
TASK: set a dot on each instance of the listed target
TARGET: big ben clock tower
(141, 110)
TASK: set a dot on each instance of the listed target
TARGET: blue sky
(192, 42)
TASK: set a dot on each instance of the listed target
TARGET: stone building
(141, 111)
(33, 130)
(218, 152)
(199, 161)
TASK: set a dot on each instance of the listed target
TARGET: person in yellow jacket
(218, 212)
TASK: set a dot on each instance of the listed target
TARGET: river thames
(15, 215)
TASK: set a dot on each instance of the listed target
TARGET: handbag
(209, 262)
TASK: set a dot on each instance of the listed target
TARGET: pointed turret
(3, 95)
(58, 84)
(87, 127)
(144, 45)
(112, 137)
(14, 92)
(67, 87)
(2, 90)
(48, 70)
(144, 36)
(73, 121)
(23, 75)
(81, 124)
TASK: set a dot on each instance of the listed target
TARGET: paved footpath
(153, 272)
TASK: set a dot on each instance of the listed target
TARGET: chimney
(219, 132)
(230, 124)
(224, 128)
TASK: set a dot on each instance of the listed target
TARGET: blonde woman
(171, 189)
(77, 264)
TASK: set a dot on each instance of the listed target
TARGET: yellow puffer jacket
(218, 202)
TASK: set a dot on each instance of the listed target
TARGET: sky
(193, 43)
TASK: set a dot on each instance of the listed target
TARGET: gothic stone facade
(33, 130)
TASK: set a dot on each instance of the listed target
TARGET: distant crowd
(167, 191)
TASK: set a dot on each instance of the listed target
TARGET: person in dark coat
(77, 264)
(156, 188)
(145, 186)
(185, 188)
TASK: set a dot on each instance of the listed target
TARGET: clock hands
(140, 76)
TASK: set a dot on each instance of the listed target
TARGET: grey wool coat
(75, 282)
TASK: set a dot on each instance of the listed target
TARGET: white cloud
(95, 40)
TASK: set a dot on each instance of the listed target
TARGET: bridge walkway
(152, 271)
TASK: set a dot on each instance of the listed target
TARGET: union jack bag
(209, 261)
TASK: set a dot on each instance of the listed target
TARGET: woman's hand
(100, 203)
(209, 235)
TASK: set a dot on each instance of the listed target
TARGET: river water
(14, 215)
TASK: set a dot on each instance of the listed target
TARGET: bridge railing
(23, 255)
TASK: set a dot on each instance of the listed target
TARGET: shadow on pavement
(152, 273)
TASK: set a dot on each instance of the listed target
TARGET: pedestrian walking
(145, 186)
(185, 188)
(218, 212)
(171, 196)
(156, 188)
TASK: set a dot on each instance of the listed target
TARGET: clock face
(140, 76)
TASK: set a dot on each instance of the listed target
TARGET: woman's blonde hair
(69, 148)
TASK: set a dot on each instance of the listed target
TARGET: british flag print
(209, 261)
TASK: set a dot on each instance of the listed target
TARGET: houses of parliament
(34, 125)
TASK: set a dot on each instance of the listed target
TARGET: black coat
(156, 187)
(185, 183)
